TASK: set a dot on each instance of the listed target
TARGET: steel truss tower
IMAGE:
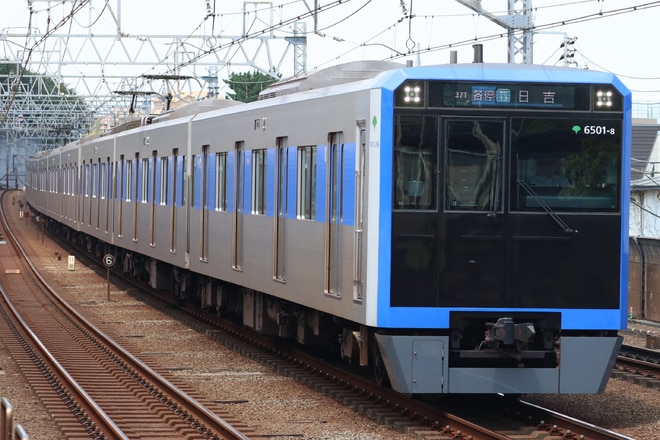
(518, 23)
(111, 72)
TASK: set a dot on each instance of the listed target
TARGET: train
(396, 216)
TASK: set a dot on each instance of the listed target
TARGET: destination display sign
(509, 95)
(545, 96)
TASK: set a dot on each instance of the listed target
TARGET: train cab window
(563, 165)
(474, 165)
(415, 162)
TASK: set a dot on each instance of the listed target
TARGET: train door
(99, 190)
(152, 198)
(135, 194)
(122, 186)
(93, 188)
(472, 270)
(279, 266)
(415, 171)
(107, 191)
(102, 206)
(334, 209)
(237, 245)
(360, 173)
(174, 200)
(84, 172)
(448, 225)
(202, 179)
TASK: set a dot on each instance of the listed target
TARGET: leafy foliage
(248, 85)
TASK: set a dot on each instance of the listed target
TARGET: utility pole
(519, 25)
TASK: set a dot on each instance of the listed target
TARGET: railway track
(93, 387)
(475, 417)
(638, 365)
(430, 419)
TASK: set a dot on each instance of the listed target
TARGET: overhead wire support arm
(518, 23)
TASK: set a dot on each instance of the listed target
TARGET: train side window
(196, 181)
(259, 181)
(306, 183)
(128, 176)
(103, 180)
(94, 180)
(415, 162)
(221, 181)
(86, 179)
(146, 173)
(183, 175)
(164, 177)
(109, 179)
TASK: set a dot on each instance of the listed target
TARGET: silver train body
(284, 212)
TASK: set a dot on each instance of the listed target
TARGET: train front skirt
(418, 364)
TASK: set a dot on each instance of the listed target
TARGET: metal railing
(6, 424)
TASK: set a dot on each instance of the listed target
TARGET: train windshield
(489, 179)
(559, 164)
(565, 164)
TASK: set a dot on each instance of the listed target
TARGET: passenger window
(306, 185)
(259, 181)
(221, 181)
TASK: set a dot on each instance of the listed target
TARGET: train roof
(331, 76)
(195, 108)
(389, 75)
(503, 72)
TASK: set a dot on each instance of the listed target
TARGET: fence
(6, 424)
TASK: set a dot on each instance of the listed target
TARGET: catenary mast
(519, 25)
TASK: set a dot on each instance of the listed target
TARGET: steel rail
(213, 421)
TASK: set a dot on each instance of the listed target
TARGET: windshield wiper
(553, 215)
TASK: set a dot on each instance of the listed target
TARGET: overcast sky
(610, 35)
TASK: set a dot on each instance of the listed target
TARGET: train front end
(504, 192)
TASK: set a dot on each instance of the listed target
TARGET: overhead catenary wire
(395, 53)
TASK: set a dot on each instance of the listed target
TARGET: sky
(619, 36)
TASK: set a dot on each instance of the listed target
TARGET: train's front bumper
(419, 365)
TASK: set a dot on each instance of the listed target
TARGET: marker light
(603, 99)
(411, 94)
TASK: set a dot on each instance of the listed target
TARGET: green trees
(248, 85)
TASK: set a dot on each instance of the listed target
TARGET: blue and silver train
(458, 228)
